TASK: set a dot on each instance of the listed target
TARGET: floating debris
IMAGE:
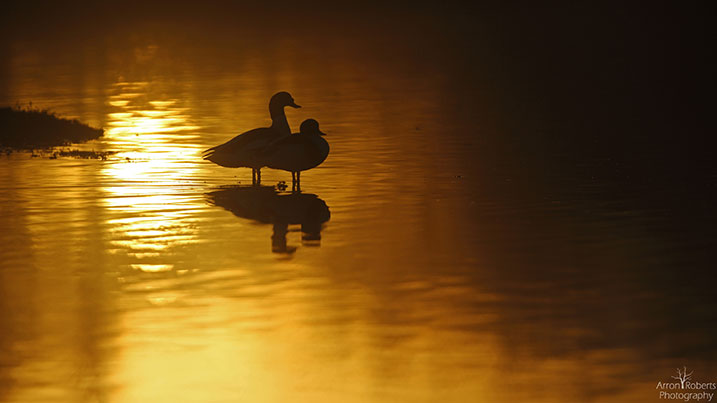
(99, 155)
(53, 153)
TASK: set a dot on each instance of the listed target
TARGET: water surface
(441, 260)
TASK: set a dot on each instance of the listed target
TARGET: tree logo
(683, 376)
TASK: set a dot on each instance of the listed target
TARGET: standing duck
(244, 149)
(298, 152)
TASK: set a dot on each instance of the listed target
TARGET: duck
(298, 152)
(244, 150)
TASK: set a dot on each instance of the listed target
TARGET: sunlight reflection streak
(148, 177)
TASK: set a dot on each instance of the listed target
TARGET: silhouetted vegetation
(29, 128)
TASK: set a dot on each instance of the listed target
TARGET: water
(442, 260)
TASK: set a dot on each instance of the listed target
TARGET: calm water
(434, 263)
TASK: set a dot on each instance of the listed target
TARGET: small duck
(244, 149)
(298, 152)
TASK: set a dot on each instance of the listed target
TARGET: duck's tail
(220, 155)
(208, 153)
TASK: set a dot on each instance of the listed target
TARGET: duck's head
(282, 99)
(311, 126)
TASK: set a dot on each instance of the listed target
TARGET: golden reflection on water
(367, 317)
(147, 177)
(128, 287)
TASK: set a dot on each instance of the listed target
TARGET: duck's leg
(253, 176)
(298, 181)
(258, 176)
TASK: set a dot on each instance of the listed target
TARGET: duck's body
(244, 150)
(298, 152)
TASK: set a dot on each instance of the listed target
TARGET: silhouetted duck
(298, 152)
(243, 150)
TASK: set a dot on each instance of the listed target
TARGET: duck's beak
(322, 133)
(294, 105)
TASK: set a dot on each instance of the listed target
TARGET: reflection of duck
(265, 205)
(298, 152)
(243, 150)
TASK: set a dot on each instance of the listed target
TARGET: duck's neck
(278, 120)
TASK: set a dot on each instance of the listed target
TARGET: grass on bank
(27, 128)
